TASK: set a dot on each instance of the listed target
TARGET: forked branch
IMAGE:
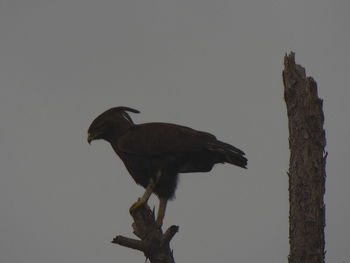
(153, 242)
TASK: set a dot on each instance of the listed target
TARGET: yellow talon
(137, 204)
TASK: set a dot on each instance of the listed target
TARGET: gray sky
(212, 65)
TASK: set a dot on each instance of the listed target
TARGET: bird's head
(110, 123)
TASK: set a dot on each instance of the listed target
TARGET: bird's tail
(230, 153)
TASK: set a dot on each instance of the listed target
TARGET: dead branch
(154, 244)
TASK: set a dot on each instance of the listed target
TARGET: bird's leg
(161, 211)
(150, 187)
(149, 190)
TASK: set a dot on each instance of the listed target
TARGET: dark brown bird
(155, 153)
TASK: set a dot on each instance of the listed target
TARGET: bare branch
(154, 244)
(129, 242)
(169, 234)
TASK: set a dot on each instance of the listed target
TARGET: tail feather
(230, 153)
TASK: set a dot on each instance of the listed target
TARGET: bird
(155, 153)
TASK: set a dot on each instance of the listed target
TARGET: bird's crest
(123, 111)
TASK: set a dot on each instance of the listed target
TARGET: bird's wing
(161, 138)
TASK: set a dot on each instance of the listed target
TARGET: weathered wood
(307, 165)
(154, 244)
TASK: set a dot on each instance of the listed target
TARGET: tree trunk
(307, 165)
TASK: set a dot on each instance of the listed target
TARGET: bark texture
(307, 165)
(153, 242)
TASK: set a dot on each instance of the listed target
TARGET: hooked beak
(90, 138)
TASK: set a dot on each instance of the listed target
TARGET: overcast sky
(212, 65)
